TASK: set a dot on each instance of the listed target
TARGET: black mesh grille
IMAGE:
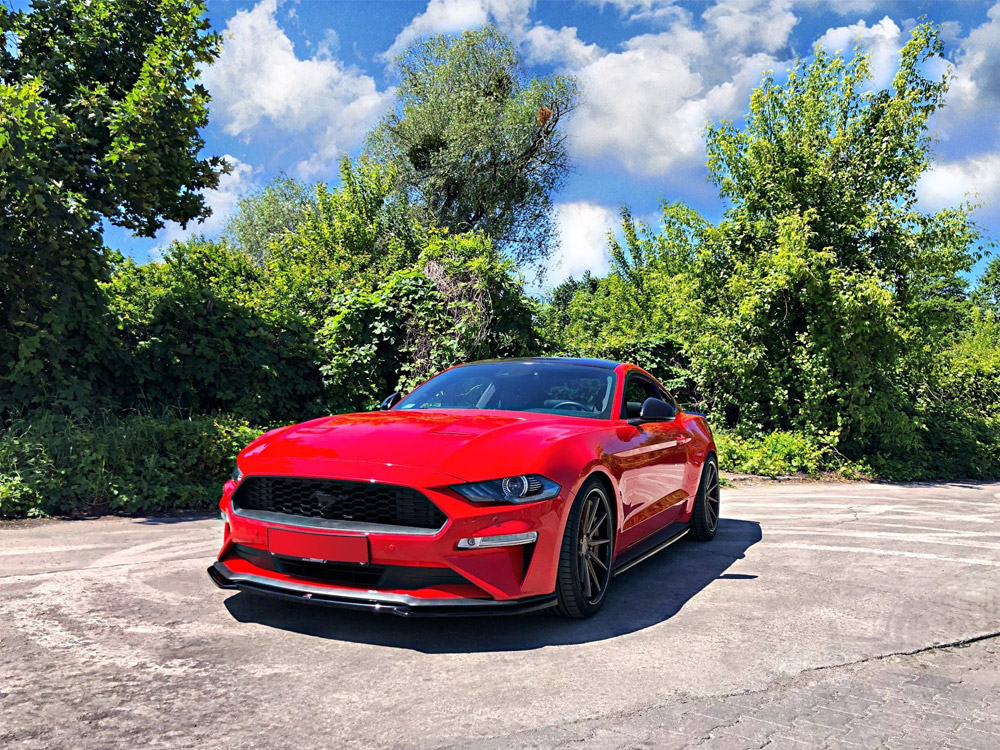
(344, 573)
(337, 500)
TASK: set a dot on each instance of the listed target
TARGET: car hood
(469, 445)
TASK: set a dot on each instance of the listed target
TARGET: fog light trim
(499, 540)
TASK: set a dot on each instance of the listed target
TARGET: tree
(825, 302)
(477, 144)
(99, 122)
(460, 301)
(987, 291)
(264, 216)
(357, 234)
(828, 289)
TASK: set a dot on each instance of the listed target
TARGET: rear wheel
(705, 518)
(585, 558)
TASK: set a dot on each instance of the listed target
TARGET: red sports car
(501, 486)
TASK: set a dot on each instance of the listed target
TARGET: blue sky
(300, 82)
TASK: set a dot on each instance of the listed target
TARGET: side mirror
(391, 401)
(655, 410)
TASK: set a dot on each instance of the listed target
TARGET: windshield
(546, 387)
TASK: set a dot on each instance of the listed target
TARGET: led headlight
(527, 488)
(237, 474)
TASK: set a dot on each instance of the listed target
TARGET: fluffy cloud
(543, 44)
(949, 183)
(977, 73)
(258, 78)
(882, 40)
(737, 25)
(583, 245)
(221, 201)
(648, 104)
(450, 16)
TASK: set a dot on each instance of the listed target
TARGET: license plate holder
(340, 548)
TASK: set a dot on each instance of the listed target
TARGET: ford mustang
(494, 487)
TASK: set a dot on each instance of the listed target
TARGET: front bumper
(425, 571)
(403, 605)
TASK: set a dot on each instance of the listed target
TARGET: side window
(637, 390)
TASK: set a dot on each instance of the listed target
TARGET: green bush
(201, 336)
(774, 454)
(60, 465)
(461, 301)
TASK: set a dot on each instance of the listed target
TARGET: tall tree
(99, 122)
(828, 288)
(478, 145)
(264, 216)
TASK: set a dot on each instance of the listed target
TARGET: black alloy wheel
(705, 518)
(585, 560)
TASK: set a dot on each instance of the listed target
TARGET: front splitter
(373, 601)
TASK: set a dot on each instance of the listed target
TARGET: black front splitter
(373, 601)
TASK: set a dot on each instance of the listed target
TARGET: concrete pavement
(816, 617)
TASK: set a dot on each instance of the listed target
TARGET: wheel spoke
(597, 524)
(596, 559)
(585, 575)
(595, 577)
(589, 511)
(597, 542)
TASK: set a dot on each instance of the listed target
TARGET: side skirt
(649, 547)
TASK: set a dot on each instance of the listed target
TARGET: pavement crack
(913, 652)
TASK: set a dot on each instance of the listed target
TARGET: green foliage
(99, 121)
(775, 453)
(987, 291)
(635, 313)
(477, 144)
(54, 464)
(460, 302)
(825, 312)
(202, 335)
(828, 276)
(263, 217)
(357, 235)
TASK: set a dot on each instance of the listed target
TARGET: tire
(705, 517)
(585, 576)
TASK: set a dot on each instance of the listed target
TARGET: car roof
(604, 364)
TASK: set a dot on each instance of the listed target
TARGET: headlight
(237, 474)
(521, 489)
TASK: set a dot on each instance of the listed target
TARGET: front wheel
(705, 517)
(585, 559)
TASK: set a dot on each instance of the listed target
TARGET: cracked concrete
(822, 615)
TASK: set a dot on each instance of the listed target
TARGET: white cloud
(882, 40)
(738, 25)
(451, 16)
(949, 183)
(329, 44)
(543, 44)
(540, 44)
(648, 104)
(258, 78)
(977, 73)
(221, 201)
(582, 228)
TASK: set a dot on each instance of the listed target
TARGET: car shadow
(648, 594)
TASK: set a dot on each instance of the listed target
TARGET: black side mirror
(655, 410)
(391, 401)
